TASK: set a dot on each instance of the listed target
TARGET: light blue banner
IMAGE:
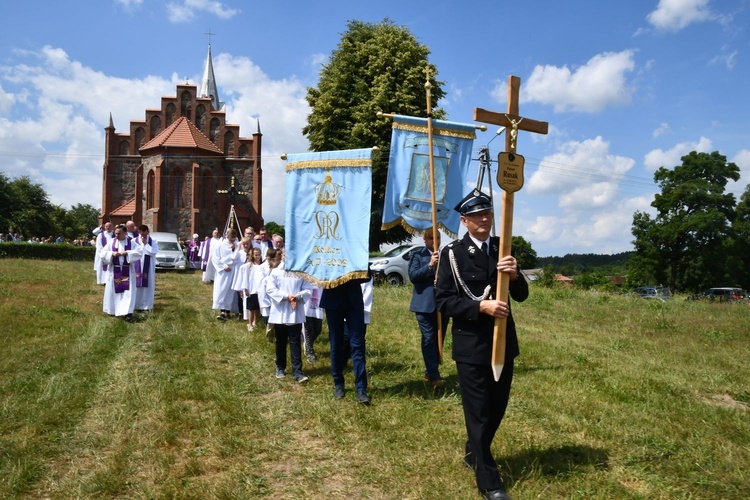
(328, 215)
(407, 193)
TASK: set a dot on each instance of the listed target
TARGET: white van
(170, 255)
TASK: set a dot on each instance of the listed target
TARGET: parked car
(724, 294)
(653, 292)
(170, 254)
(393, 266)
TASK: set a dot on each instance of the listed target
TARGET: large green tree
(29, 213)
(741, 228)
(376, 67)
(688, 243)
(524, 254)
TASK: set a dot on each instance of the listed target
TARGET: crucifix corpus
(510, 179)
(232, 192)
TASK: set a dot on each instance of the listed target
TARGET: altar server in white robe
(145, 279)
(288, 295)
(206, 254)
(120, 256)
(103, 237)
(225, 259)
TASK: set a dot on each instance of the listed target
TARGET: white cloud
(584, 174)
(7, 101)
(727, 59)
(661, 129)
(187, 10)
(282, 110)
(601, 82)
(670, 158)
(674, 15)
(129, 3)
(742, 160)
(59, 139)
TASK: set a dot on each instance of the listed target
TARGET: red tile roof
(127, 209)
(182, 134)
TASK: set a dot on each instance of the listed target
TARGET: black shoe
(498, 494)
(129, 318)
(363, 398)
(338, 392)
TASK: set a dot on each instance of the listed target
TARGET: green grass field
(613, 398)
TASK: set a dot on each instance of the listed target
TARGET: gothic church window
(150, 185)
(155, 126)
(124, 148)
(229, 144)
(207, 189)
(177, 189)
(243, 151)
(213, 134)
(171, 110)
(185, 105)
(140, 138)
(200, 117)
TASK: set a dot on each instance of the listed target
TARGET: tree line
(25, 210)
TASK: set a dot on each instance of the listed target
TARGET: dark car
(725, 294)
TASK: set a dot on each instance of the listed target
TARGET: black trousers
(484, 402)
(289, 334)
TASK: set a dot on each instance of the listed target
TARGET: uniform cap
(476, 201)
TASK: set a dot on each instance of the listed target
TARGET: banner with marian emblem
(407, 193)
(328, 215)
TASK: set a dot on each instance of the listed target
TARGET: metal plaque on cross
(510, 171)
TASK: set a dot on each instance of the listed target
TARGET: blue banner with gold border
(328, 215)
(408, 198)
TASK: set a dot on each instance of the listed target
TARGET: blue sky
(626, 87)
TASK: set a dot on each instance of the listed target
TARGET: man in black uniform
(466, 291)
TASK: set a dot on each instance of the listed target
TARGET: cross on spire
(210, 34)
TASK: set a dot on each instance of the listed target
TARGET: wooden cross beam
(512, 123)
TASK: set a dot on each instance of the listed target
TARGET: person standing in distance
(466, 291)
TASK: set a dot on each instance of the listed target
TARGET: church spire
(208, 82)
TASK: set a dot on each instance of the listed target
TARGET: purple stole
(122, 272)
(141, 276)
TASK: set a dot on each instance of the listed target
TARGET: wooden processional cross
(510, 179)
(232, 192)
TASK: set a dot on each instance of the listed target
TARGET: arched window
(243, 151)
(124, 148)
(213, 134)
(171, 110)
(140, 138)
(150, 186)
(185, 105)
(207, 190)
(155, 126)
(200, 117)
(177, 189)
(229, 144)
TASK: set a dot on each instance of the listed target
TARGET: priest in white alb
(145, 279)
(225, 260)
(120, 256)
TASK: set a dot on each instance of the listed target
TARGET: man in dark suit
(422, 266)
(345, 303)
(466, 291)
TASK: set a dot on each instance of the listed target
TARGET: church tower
(166, 171)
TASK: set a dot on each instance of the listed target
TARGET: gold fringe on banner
(350, 163)
(401, 222)
(354, 275)
(446, 132)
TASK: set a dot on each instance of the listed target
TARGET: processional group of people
(125, 263)
(457, 282)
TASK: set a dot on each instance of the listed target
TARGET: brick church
(182, 168)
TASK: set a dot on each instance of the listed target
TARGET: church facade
(183, 169)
